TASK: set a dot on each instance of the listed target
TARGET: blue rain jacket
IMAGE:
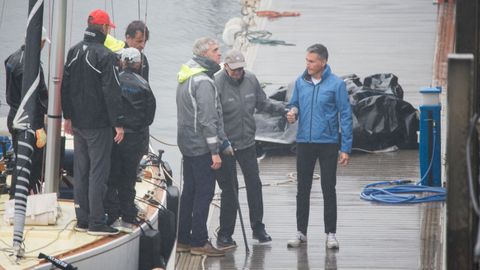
(322, 109)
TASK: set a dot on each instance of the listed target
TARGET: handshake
(291, 114)
(226, 148)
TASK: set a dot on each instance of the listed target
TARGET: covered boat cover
(381, 118)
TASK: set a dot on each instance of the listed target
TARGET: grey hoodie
(239, 100)
(199, 113)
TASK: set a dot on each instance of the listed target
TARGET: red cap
(100, 17)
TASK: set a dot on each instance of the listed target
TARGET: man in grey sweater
(240, 94)
(199, 136)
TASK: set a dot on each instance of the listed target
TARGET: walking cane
(247, 249)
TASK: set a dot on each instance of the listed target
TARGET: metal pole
(52, 171)
(461, 106)
(235, 193)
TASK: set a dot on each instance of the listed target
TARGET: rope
(262, 37)
(146, 9)
(162, 142)
(71, 24)
(50, 15)
(138, 9)
(3, 12)
(113, 16)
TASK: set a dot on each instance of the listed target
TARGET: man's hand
(226, 148)
(41, 137)
(292, 115)
(216, 162)
(119, 135)
(67, 126)
(343, 159)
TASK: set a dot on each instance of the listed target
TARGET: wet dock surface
(365, 38)
(371, 235)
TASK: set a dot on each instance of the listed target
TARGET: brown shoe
(183, 247)
(208, 249)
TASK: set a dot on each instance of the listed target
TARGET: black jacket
(138, 101)
(14, 73)
(91, 94)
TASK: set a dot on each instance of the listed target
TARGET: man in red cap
(100, 17)
(92, 108)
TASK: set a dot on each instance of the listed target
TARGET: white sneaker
(299, 239)
(332, 242)
(117, 223)
(123, 226)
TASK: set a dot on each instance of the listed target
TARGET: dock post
(430, 130)
(460, 214)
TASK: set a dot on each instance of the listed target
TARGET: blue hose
(400, 191)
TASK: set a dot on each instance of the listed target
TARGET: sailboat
(59, 245)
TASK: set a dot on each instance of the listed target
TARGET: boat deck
(63, 242)
(365, 38)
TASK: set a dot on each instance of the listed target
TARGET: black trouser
(120, 198)
(92, 150)
(247, 159)
(36, 168)
(197, 194)
(307, 155)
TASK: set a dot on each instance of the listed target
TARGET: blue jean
(197, 194)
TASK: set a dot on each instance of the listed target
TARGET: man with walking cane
(240, 94)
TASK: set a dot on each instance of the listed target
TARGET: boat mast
(24, 120)
(52, 160)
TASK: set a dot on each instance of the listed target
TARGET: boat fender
(167, 229)
(232, 27)
(173, 195)
(150, 249)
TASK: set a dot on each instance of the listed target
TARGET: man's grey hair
(320, 50)
(201, 45)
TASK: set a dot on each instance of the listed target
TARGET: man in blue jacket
(320, 103)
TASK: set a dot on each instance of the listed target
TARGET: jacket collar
(92, 35)
(326, 72)
(207, 63)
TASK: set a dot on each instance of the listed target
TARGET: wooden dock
(407, 38)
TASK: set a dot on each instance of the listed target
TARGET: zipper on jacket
(311, 110)
(241, 112)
